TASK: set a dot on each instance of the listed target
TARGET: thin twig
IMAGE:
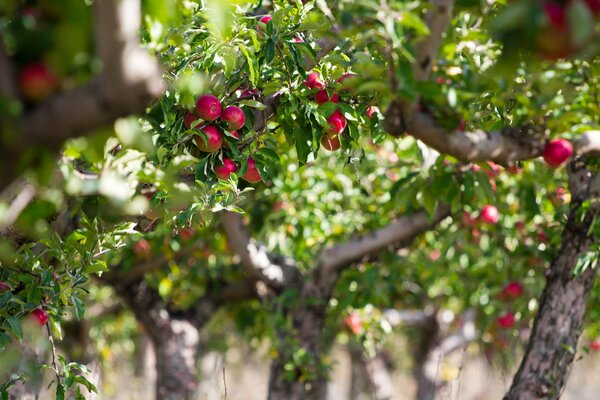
(17, 206)
(224, 383)
(53, 349)
(252, 139)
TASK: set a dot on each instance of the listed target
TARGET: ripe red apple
(4, 287)
(40, 315)
(142, 249)
(250, 93)
(595, 345)
(331, 141)
(251, 175)
(189, 119)
(371, 110)
(298, 40)
(337, 122)
(323, 97)
(594, 6)
(513, 290)
(494, 170)
(37, 81)
(214, 139)
(224, 171)
(507, 320)
(556, 14)
(489, 214)
(314, 81)
(557, 151)
(353, 322)
(234, 117)
(435, 255)
(264, 20)
(208, 107)
(235, 134)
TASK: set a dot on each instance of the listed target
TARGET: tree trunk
(553, 342)
(426, 366)
(175, 342)
(551, 349)
(370, 376)
(298, 373)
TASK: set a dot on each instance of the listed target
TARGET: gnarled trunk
(551, 349)
(175, 342)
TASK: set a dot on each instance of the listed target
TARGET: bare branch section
(275, 271)
(406, 228)
(437, 19)
(557, 326)
(130, 79)
(8, 81)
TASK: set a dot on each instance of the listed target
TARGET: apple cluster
(208, 120)
(336, 121)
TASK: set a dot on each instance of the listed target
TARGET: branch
(8, 81)
(21, 201)
(437, 20)
(407, 317)
(130, 79)
(334, 259)
(276, 271)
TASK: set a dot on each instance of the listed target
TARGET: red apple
(186, 234)
(353, 322)
(208, 107)
(298, 40)
(557, 151)
(264, 20)
(331, 141)
(594, 6)
(337, 122)
(235, 134)
(314, 81)
(494, 170)
(513, 290)
(234, 117)
(507, 320)
(142, 249)
(224, 171)
(468, 219)
(189, 119)
(323, 97)
(4, 287)
(214, 139)
(595, 345)
(37, 81)
(250, 93)
(556, 14)
(371, 110)
(251, 175)
(40, 315)
(435, 255)
(489, 214)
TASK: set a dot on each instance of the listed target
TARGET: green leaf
(270, 51)
(15, 327)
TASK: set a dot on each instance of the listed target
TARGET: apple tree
(303, 172)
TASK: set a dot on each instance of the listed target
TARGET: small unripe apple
(331, 141)
(4, 287)
(557, 151)
(37, 81)
(208, 107)
(513, 290)
(489, 214)
(40, 316)
(337, 122)
(353, 322)
(234, 117)
(224, 171)
(314, 81)
(214, 139)
(251, 175)
(323, 97)
(507, 320)
(189, 119)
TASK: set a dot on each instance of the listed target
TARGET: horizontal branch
(334, 259)
(276, 271)
(129, 80)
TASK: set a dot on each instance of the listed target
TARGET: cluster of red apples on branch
(210, 121)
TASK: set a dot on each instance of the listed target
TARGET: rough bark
(370, 376)
(553, 342)
(175, 342)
